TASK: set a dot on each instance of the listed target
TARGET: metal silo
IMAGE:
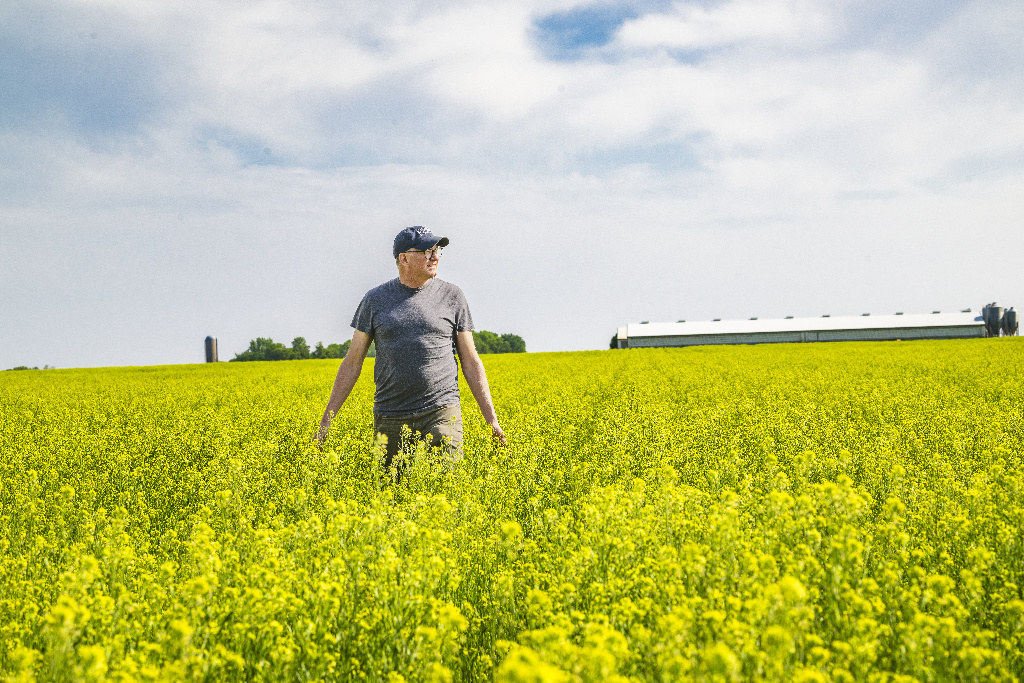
(993, 317)
(211, 350)
(1010, 323)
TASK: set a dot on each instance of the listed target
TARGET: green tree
(516, 344)
(331, 350)
(485, 342)
(338, 350)
(489, 342)
(300, 348)
(265, 348)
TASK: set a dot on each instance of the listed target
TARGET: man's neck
(412, 282)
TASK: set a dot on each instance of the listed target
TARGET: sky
(239, 169)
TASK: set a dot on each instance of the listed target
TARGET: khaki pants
(440, 426)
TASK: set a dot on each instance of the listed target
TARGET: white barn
(865, 327)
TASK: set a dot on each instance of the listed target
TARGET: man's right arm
(348, 373)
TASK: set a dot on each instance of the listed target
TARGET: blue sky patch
(98, 88)
(565, 36)
(65, 66)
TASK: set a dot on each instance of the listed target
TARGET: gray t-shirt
(414, 331)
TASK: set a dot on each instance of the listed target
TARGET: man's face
(424, 263)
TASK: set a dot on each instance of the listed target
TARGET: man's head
(417, 252)
(417, 238)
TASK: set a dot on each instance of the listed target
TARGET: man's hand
(325, 427)
(498, 435)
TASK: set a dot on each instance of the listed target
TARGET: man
(419, 324)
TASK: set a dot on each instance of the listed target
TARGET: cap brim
(443, 242)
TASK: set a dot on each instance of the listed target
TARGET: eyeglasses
(427, 253)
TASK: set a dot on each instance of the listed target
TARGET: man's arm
(473, 369)
(348, 373)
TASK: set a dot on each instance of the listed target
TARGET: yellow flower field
(832, 512)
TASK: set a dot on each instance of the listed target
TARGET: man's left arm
(473, 369)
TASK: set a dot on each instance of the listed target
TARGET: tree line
(489, 342)
(265, 348)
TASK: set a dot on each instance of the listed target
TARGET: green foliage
(331, 350)
(339, 350)
(837, 512)
(267, 349)
(489, 342)
(300, 349)
(264, 348)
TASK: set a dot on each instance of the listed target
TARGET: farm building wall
(788, 337)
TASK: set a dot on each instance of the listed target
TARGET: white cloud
(691, 27)
(479, 57)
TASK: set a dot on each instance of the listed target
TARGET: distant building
(963, 325)
(211, 350)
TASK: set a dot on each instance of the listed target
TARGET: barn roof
(858, 322)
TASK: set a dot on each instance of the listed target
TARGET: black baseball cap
(417, 237)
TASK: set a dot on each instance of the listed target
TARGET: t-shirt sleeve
(463, 318)
(363, 318)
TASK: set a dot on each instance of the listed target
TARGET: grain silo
(211, 350)
(1010, 323)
